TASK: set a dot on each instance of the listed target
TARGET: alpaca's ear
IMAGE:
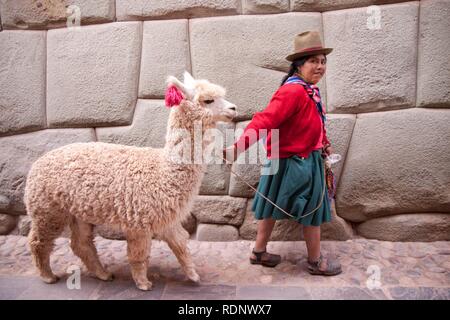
(187, 91)
(189, 80)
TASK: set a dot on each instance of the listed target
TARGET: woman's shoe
(270, 260)
(333, 267)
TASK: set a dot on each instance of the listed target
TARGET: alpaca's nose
(233, 108)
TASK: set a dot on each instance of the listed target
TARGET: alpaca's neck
(187, 141)
(184, 155)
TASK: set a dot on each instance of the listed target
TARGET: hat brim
(297, 55)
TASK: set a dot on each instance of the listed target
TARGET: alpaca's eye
(208, 101)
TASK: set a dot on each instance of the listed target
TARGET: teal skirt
(297, 186)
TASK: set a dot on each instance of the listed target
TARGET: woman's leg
(312, 239)
(265, 228)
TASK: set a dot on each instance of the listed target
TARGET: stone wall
(387, 91)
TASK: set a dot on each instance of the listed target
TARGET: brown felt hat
(306, 44)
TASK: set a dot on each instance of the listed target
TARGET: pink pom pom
(173, 96)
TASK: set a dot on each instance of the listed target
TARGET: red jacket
(295, 114)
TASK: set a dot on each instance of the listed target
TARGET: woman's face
(314, 68)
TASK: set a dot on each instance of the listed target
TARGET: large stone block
(433, 74)
(7, 223)
(24, 225)
(337, 228)
(4, 203)
(214, 232)
(92, 11)
(92, 74)
(397, 163)
(217, 176)
(249, 53)
(165, 51)
(219, 210)
(147, 130)
(32, 14)
(216, 180)
(17, 153)
(22, 81)
(287, 230)
(365, 71)
(171, 9)
(339, 132)
(264, 6)
(43, 14)
(408, 227)
(190, 224)
(327, 5)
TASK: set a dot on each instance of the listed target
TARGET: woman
(299, 185)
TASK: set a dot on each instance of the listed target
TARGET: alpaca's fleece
(104, 183)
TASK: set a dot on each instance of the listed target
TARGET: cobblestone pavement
(372, 270)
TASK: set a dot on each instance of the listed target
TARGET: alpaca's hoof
(50, 279)
(193, 276)
(145, 286)
(107, 276)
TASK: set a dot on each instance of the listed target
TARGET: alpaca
(145, 192)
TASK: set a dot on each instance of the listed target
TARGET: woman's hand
(230, 154)
(328, 150)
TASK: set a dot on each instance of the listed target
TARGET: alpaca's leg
(82, 244)
(176, 237)
(138, 250)
(44, 230)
